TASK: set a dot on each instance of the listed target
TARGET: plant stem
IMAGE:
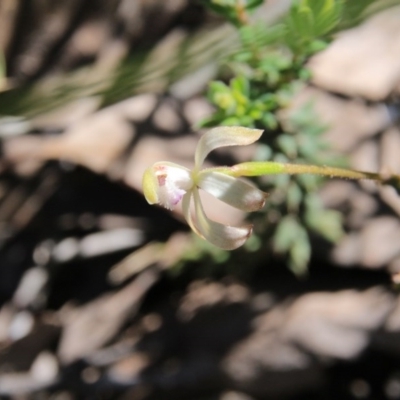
(272, 168)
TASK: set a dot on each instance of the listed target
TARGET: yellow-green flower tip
(150, 186)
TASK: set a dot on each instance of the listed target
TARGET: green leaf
(287, 143)
(313, 202)
(213, 120)
(268, 101)
(310, 19)
(251, 4)
(231, 121)
(309, 182)
(294, 196)
(282, 182)
(305, 74)
(243, 56)
(255, 113)
(308, 146)
(260, 35)
(285, 234)
(225, 8)
(253, 244)
(301, 20)
(246, 120)
(328, 17)
(240, 86)
(353, 10)
(327, 223)
(300, 253)
(221, 95)
(270, 121)
(218, 87)
(263, 152)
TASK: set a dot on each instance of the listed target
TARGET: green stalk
(272, 168)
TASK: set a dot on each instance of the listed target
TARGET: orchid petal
(224, 136)
(187, 198)
(223, 236)
(239, 193)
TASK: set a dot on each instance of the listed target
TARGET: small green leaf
(243, 56)
(217, 87)
(268, 101)
(231, 121)
(255, 113)
(327, 17)
(304, 74)
(313, 202)
(246, 120)
(224, 100)
(309, 182)
(285, 234)
(282, 182)
(300, 253)
(219, 7)
(270, 121)
(302, 20)
(308, 146)
(210, 122)
(294, 197)
(259, 35)
(251, 4)
(240, 86)
(353, 10)
(263, 152)
(317, 45)
(327, 223)
(225, 3)
(221, 95)
(253, 243)
(287, 143)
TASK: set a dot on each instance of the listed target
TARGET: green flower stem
(272, 168)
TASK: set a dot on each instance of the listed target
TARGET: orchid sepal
(223, 236)
(239, 193)
(224, 136)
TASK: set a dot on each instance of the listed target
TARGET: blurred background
(103, 296)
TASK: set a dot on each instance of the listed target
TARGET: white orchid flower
(167, 184)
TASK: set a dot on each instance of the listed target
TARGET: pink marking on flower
(161, 179)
